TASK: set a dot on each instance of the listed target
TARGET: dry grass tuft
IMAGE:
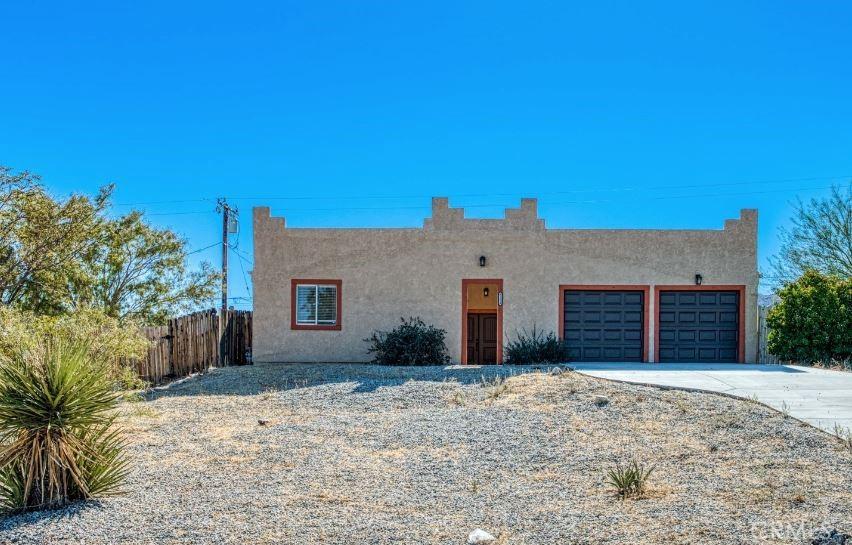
(845, 436)
(142, 410)
(458, 398)
(495, 387)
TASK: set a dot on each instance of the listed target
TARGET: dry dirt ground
(375, 455)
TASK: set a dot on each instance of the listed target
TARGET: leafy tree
(820, 239)
(61, 256)
(813, 320)
(139, 272)
(42, 240)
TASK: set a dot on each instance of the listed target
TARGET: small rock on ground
(480, 537)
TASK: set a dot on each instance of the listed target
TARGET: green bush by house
(813, 321)
(535, 347)
(58, 441)
(410, 343)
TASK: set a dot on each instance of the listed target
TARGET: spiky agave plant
(629, 480)
(58, 441)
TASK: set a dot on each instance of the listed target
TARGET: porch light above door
(482, 261)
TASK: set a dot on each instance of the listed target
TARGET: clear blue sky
(621, 104)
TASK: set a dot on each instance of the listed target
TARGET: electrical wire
(499, 205)
(546, 203)
(245, 278)
(480, 195)
(146, 203)
(177, 213)
(564, 192)
(241, 255)
(205, 248)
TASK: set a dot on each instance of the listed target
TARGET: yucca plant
(58, 441)
(629, 480)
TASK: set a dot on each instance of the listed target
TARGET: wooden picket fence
(194, 343)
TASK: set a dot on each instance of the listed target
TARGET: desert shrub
(629, 480)
(410, 343)
(58, 441)
(107, 339)
(813, 320)
(495, 386)
(535, 347)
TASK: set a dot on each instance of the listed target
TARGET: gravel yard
(361, 454)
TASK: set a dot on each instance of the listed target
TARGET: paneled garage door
(699, 326)
(604, 325)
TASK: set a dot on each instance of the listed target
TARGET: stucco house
(613, 295)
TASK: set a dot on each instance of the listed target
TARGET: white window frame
(316, 322)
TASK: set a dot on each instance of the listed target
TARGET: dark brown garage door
(604, 325)
(699, 326)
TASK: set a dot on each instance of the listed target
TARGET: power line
(479, 195)
(176, 213)
(564, 192)
(146, 203)
(202, 249)
(241, 255)
(667, 197)
(546, 203)
(245, 278)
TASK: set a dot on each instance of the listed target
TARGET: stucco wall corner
(748, 215)
(525, 217)
(444, 217)
(262, 219)
(747, 220)
(260, 214)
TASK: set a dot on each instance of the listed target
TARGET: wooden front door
(481, 338)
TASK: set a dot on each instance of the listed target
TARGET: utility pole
(228, 225)
(223, 207)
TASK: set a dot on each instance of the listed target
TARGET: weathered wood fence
(194, 343)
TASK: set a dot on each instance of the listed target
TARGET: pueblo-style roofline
(446, 218)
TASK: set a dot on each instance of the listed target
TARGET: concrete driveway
(820, 397)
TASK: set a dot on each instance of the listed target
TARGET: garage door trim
(646, 298)
(718, 287)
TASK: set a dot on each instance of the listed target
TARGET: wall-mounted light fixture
(482, 261)
(698, 279)
(485, 291)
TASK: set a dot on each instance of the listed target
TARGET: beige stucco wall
(389, 273)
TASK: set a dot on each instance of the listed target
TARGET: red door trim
(646, 298)
(741, 340)
(472, 282)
